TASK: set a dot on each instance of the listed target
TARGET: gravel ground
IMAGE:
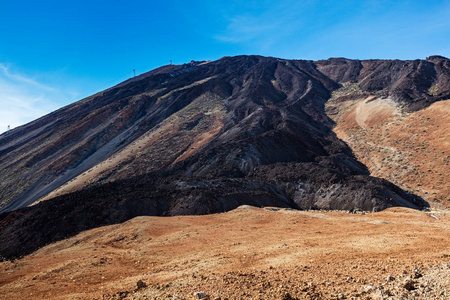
(320, 282)
(248, 253)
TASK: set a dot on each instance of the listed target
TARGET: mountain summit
(200, 138)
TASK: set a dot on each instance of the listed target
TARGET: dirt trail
(248, 252)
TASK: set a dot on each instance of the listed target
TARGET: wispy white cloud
(23, 80)
(23, 98)
(245, 28)
(265, 26)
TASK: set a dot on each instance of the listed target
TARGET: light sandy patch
(374, 111)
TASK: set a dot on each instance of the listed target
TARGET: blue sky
(53, 53)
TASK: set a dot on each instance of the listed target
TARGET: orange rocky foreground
(248, 253)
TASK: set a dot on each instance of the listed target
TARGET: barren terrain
(178, 137)
(411, 150)
(223, 118)
(248, 253)
(188, 141)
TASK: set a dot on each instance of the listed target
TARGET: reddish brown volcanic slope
(246, 253)
(42, 155)
(206, 138)
(410, 149)
(165, 116)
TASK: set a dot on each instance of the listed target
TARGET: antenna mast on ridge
(134, 73)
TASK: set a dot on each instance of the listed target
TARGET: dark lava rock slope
(202, 138)
(415, 83)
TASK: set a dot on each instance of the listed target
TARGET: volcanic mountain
(205, 137)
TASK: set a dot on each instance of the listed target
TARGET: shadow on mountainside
(28, 229)
(274, 146)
